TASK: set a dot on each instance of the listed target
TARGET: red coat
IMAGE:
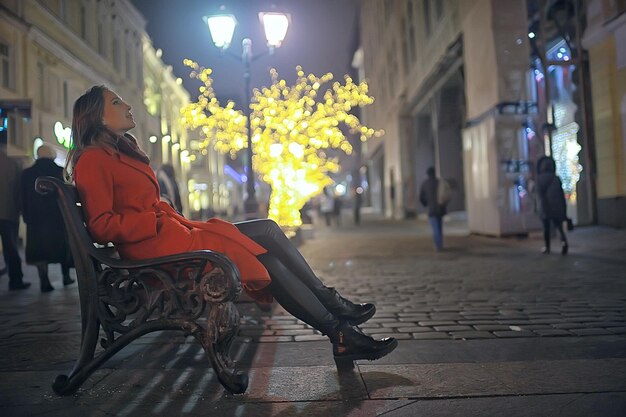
(120, 198)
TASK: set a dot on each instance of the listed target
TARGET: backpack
(444, 193)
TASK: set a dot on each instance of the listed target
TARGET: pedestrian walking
(9, 218)
(337, 203)
(356, 205)
(327, 205)
(169, 186)
(435, 195)
(552, 206)
(46, 237)
(305, 213)
(119, 193)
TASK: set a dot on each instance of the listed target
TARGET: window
(391, 71)
(13, 129)
(117, 54)
(387, 8)
(439, 9)
(53, 90)
(6, 70)
(41, 84)
(405, 48)
(412, 46)
(129, 65)
(151, 97)
(66, 104)
(381, 22)
(83, 22)
(411, 34)
(63, 9)
(139, 73)
(101, 40)
(426, 6)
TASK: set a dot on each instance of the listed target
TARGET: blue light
(240, 178)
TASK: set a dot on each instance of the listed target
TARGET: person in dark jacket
(327, 204)
(356, 204)
(337, 203)
(552, 202)
(46, 238)
(9, 218)
(436, 211)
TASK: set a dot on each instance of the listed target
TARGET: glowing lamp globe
(275, 25)
(222, 28)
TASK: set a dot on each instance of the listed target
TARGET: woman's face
(116, 115)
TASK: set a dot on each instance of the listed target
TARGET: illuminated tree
(223, 127)
(292, 129)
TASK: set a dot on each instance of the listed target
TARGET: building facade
(52, 51)
(605, 39)
(404, 59)
(164, 138)
(480, 90)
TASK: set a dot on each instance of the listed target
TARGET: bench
(123, 300)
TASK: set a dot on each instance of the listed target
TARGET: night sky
(320, 37)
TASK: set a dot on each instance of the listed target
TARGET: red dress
(120, 198)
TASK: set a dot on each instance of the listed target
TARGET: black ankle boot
(344, 309)
(44, 283)
(350, 344)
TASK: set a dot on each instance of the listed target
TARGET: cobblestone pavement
(478, 287)
(520, 334)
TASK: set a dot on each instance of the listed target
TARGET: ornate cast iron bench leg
(216, 339)
(344, 365)
(88, 363)
(221, 328)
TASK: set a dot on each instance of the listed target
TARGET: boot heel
(344, 364)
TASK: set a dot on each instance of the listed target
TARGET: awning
(20, 106)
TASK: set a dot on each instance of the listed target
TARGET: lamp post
(222, 28)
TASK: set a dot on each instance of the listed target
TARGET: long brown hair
(87, 127)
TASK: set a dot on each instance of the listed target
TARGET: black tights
(294, 284)
(546, 231)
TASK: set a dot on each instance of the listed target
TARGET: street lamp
(222, 28)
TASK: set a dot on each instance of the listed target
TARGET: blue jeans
(436, 225)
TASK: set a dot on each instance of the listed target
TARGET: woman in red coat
(120, 197)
